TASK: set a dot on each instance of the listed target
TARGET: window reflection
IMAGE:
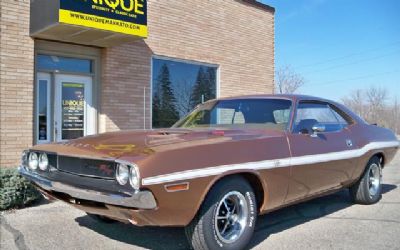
(178, 87)
(42, 111)
(65, 64)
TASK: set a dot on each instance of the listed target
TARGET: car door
(317, 162)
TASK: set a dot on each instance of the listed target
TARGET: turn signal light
(177, 187)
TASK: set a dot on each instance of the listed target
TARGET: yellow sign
(122, 16)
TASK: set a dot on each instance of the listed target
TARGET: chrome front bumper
(141, 199)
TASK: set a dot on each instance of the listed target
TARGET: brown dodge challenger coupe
(219, 167)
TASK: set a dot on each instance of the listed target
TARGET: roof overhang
(101, 23)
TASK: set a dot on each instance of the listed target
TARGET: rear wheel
(226, 218)
(368, 189)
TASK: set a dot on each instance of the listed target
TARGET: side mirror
(317, 128)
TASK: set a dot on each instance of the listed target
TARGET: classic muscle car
(219, 167)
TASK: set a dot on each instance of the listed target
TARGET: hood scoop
(173, 132)
(161, 138)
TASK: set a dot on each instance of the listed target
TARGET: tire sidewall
(209, 229)
(378, 195)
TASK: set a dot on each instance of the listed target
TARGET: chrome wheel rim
(374, 179)
(231, 217)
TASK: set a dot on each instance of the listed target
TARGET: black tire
(202, 232)
(361, 192)
(101, 218)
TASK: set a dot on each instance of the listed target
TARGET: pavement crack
(19, 239)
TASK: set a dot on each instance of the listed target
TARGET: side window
(342, 121)
(310, 114)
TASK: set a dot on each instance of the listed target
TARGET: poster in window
(73, 110)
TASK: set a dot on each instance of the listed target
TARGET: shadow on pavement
(272, 223)
(298, 214)
(39, 202)
(147, 237)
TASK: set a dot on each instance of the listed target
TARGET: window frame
(64, 57)
(179, 60)
(331, 107)
(43, 77)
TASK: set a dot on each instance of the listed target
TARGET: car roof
(292, 97)
(297, 97)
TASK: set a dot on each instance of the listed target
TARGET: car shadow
(272, 223)
(295, 215)
(146, 237)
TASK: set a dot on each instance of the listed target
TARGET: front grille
(87, 167)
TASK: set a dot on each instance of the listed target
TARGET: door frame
(49, 130)
(53, 48)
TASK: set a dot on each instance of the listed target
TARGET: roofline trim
(259, 5)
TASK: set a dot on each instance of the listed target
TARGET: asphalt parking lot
(331, 222)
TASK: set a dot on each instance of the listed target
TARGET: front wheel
(226, 218)
(369, 188)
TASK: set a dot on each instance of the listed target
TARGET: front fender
(179, 208)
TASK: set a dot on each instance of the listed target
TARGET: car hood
(138, 144)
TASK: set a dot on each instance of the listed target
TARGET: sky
(339, 45)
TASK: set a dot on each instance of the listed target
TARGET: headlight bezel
(25, 158)
(133, 174)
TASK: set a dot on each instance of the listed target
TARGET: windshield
(239, 113)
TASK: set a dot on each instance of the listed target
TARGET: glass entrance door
(74, 115)
(64, 107)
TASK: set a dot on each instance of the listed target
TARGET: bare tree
(371, 104)
(395, 120)
(376, 98)
(184, 96)
(356, 102)
(287, 81)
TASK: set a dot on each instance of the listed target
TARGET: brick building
(61, 80)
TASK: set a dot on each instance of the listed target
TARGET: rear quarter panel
(364, 134)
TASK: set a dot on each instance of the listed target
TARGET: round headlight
(33, 161)
(122, 174)
(43, 161)
(134, 177)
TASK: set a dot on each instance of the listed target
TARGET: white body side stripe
(269, 164)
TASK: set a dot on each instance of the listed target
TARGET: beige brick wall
(237, 36)
(16, 81)
(126, 75)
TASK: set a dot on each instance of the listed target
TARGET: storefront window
(65, 64)
(178, 87)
